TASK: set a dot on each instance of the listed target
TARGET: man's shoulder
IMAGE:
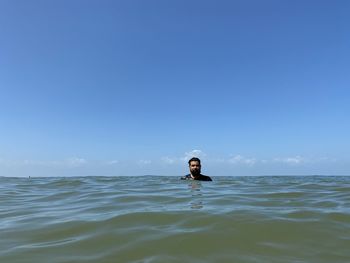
(205, 178)
(186, 177)
(202, 177)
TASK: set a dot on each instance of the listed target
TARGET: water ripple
(163, 219)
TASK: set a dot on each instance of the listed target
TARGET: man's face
(195, 168)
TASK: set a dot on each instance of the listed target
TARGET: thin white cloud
(76, 161)
(239, 159)
(168, 160)
(145, 162)
(49, 163)
(40, 163)
(327, 159)
(296, 160)
(14, 163)
(193, 153)
(31, 162)
(186, 156)
(112, 162)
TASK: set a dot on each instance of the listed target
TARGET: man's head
(195, 166)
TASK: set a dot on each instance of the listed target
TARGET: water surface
(164, 219)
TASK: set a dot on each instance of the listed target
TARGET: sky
(138, 87)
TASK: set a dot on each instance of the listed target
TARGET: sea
(291, 219)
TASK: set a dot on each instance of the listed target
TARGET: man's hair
(194, 159)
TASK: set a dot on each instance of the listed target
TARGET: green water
(163, 219)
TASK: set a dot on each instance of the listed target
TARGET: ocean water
(164, 219)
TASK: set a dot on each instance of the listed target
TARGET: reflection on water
(195, 187)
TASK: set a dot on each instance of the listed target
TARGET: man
(195, 171)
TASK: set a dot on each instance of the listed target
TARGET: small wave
(157, 219)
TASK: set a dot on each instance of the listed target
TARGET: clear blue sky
(136, 87)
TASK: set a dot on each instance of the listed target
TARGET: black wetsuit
(199, 178)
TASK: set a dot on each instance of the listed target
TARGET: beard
(196, 172)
